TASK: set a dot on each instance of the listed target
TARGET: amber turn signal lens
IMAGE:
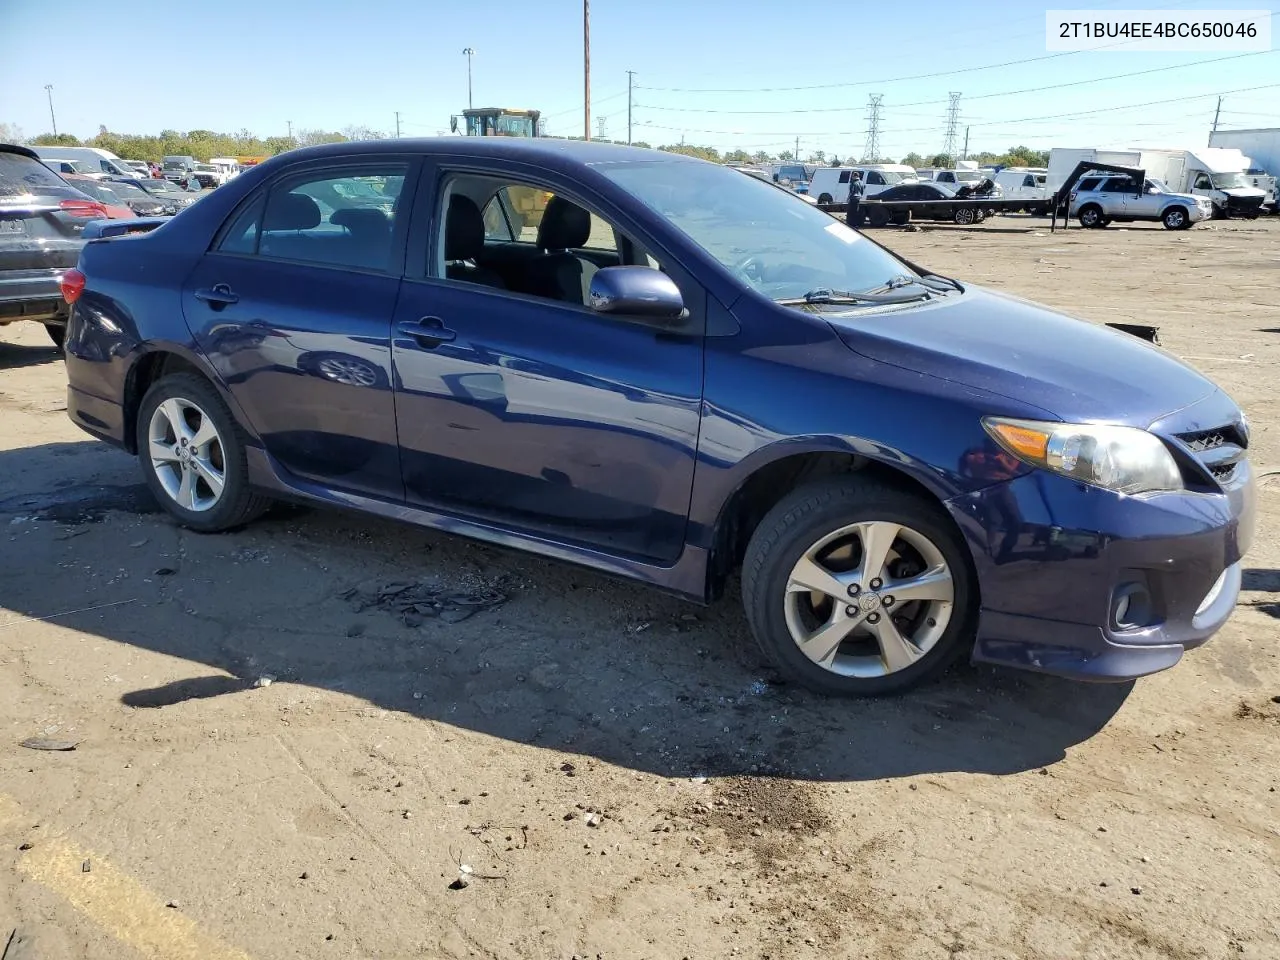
(1022, 441)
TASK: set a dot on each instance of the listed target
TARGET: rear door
(41, 222)
(293, 307)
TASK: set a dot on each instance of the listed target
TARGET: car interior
(526, 240)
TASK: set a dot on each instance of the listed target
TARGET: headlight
(1124, 459)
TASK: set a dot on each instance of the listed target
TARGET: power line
(917, 76)
(986, 123)
(980, 96)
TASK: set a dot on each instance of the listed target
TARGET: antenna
(953, 124)
(871, 151)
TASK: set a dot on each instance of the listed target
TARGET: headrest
(463, 229)
(361, 219)
(564, 226)
(291, 211)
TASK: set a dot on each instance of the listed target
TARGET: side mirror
(636, 292)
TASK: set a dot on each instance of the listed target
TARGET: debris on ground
(45, 743)
(265, 680)
(416, 602)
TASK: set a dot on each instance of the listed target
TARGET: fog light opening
(1131, 607)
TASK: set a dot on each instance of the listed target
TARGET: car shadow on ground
(15, 355)
(572, 661)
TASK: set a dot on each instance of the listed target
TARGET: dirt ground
(618, 770)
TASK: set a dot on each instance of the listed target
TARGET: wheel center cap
(869, 601)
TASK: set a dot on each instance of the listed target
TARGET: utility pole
(290, 123)
(953, 123)
(797, 154)
(631, 76)
(469, 53)
(871, 150)
(48, 88)
(1216, 113)
(965, 153)
(397, 124)
(586, 69)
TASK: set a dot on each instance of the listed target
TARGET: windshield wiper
(930, 281)
(844, 296)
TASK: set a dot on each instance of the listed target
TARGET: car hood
(1076, 370)
(1245, 193)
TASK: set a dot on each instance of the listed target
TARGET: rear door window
(332, 217)
(21, 176)
(1089, 184)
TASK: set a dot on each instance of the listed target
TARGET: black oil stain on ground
(82, 504)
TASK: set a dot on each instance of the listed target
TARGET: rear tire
(964, 216)
(57, 333)
(824, 198)
(827, 530)
(192, 454)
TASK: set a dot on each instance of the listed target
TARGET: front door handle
(429, 331)
(217, 296)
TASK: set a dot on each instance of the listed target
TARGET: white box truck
(1262, 147)
(1213, 172)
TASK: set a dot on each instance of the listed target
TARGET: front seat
(559, 274)
(464, 241)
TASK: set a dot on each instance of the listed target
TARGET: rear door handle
(217, 296)
(429, 331)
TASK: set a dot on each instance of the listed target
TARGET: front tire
(1091, 217)
(964, 216)
(1176, 218)
(192, 453)
(824, 198)
(856, 589)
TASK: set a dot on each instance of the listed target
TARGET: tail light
(72, 285)
(85, 209)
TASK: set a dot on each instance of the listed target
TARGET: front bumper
(1054, 558)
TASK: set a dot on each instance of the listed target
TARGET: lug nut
(854, 589)
(888, 601)
(873, 618)
(876, 584)
(851, 610)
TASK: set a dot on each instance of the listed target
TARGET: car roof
(529, 149)
(16, 148)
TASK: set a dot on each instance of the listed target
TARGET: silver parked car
(1098, 200)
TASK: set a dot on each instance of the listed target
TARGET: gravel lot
(618, 770)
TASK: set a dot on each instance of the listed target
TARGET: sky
(709, 72)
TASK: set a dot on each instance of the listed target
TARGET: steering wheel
(750, 269)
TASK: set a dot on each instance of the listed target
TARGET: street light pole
(586, 69)
(48, 88)
(470, 53)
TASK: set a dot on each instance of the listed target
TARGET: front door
(529, 409)
(293, 308)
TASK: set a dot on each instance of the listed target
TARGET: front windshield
(891, 178)
(1227, 181)
(206, 168)
(1156, 184)
(968, 176)
(780, 247)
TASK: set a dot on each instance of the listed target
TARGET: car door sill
(685, 578)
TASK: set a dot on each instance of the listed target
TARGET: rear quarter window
(22, 176)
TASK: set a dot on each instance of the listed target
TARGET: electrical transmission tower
(871, 150)
(603, 124)
(953, 124)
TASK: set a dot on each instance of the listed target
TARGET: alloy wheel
(187, 454)
(869, 599)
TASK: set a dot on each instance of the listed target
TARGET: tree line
(204, 144)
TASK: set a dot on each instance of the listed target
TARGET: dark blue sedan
(662, 369)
